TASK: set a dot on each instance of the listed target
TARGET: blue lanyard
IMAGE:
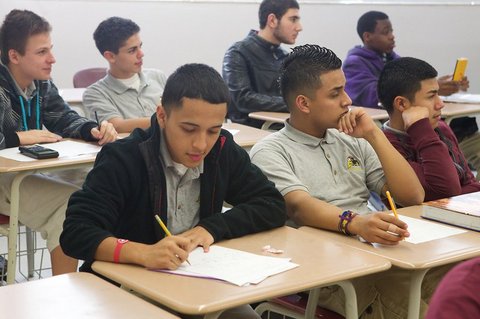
(37, 112)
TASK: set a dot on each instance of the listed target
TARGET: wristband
(118, 248)
(345, 219)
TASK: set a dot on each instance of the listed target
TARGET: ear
(161, 116)
(272, 21)
(401, 103)
(302, 103)
(366, 36)
(13, 56)
(109, 56)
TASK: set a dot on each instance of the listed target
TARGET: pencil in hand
(392, 204)
(165, 229)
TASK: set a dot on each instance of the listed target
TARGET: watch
(118, 248)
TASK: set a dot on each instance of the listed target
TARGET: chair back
(86, 77)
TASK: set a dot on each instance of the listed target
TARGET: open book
(235, 266)
(462, 210)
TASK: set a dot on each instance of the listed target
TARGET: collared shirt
(338, 169)
(111, 98)
(183, 192)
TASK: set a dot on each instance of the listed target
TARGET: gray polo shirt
(111, 98)
(183, 192)
(338, 169)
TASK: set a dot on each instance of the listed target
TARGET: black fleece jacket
(126, 188)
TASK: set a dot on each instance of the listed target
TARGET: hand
(168, 253)
(106, 134)
(464, 84)
(379, 228)
(37, 136)
(447, 86)
(198, 236)
(357, 123)
(414, 114)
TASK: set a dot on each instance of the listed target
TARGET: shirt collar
(306, 139)
(387, 127)
(119, 87)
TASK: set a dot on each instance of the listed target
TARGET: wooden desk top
(74, 296)
(413, 256)
(246, 136)
(277, 117)
(460, 109)
(318, 259)
(72, 95)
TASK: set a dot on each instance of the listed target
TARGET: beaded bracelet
(345, 219)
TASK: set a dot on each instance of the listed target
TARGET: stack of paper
(235, 266)
(462, 98)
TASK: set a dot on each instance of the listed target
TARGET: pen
(392, 204)
(165, 229)
(96, 118)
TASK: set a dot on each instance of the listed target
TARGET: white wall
(175, 33)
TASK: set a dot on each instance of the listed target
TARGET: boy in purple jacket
(408, 89)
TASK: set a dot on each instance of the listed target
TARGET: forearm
(401, 178)
(129, 254)
(128, 125)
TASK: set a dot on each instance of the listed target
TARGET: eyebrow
(196, 125)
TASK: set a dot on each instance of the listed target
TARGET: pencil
(96, 118)
(165, 229)
(392, 204)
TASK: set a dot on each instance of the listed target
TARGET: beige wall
(175, 33)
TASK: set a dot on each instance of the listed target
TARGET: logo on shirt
(353, 163)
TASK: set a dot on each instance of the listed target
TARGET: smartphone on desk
(38, 152)
(460, 68)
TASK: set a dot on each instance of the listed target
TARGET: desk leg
(213, 315)
(13, 232)
(415, 293)
(266, 125)
(351, 308)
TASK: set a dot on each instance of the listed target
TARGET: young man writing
(128, 95)
(408, 90)
(251, 67)
(31, 111)
(182, 168)
(326, 161)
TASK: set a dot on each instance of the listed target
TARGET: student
(31, 111)
(127, 96)
(326, 161)
(458, 294)
(182, 168)
(251, 66)
(364, 62)
(408, 90)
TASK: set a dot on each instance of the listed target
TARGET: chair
(86, 77)
(9, 230)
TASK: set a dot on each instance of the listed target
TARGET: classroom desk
(454, 110)
(22, 170)
(318, 262)
(74, 98)
(74, 296)
(419, 258)
(246, 136)
(277, 117)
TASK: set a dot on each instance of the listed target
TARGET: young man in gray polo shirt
(326, 161)
(127, 96)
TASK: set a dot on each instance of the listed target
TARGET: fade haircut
(402, 77)
(194, 81)
(368, 21)
(277, 7)
(302, 68)
(112, 33)
(17, 28)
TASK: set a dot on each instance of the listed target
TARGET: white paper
(462, 98)
(64, 149)
(235, 266)
(232, 131)
(422, 231)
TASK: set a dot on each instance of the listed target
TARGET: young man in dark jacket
(182, 168)
(251, 67)
(31, 111)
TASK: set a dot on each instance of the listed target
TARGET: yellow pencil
(165, 229)
(392, 204)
